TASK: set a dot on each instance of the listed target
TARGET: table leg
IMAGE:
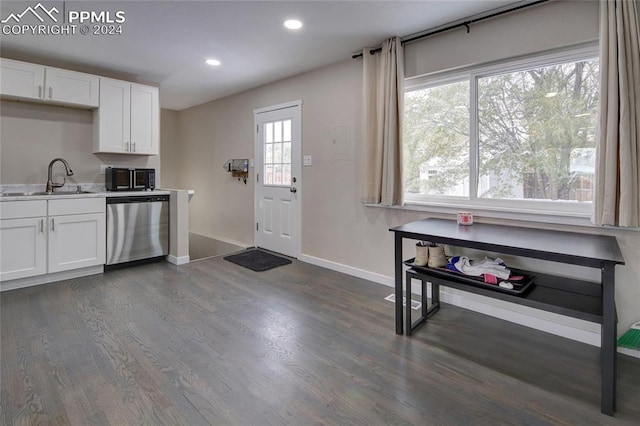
(608, 343)
(424, 300)
(435, 294)
(407, 307)
(398, 283)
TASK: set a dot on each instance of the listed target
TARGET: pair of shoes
(431, 256)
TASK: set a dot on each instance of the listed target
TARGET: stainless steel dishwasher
(137, 228)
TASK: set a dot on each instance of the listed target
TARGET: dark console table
(586, 300)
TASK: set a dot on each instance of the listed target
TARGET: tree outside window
(535, 135)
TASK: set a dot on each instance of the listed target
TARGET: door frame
(297, 106)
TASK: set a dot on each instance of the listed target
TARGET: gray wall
(31, 135)
(535, 29)
(170, 148)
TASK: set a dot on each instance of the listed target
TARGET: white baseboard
(631, 352)
(552, 327)
(349, 270)
(50, 278)
(182, 260)
(225, 240)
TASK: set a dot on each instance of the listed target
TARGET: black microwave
(122, 179)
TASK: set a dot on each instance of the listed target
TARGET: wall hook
(239, 168)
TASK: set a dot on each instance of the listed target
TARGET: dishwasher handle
(137, 199)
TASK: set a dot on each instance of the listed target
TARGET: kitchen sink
(66, 193)
(25, 194)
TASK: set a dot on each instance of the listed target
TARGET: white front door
(278, 172)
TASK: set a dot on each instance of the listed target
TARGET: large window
(519, 134)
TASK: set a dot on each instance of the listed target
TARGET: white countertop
(51, 197)
(95, 191)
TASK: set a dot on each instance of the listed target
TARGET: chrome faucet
(50, 183)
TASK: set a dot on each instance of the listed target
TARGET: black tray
(519, 287)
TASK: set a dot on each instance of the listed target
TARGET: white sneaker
(422, 255)
(437, 258)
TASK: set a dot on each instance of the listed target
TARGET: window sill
(508, 213)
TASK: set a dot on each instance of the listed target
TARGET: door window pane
(286, 133)
(277, 173)
(277, 153)
(277, 136)
(286, 174)
(268, 174)
(286, 152)
(268, 132)
(268, 153)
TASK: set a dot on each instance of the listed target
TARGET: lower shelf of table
(560, 295)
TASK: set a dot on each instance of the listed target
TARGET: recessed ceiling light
(293, 24)
(213, 62)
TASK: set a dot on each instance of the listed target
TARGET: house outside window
(518, 134)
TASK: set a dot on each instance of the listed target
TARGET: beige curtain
(383, 96)
(617, 199)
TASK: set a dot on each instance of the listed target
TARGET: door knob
(293, 189)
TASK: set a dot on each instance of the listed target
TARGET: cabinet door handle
(134, 147)
(41, 226)
(50, 92)
(128, 147)
(53, 225)
(39, 92)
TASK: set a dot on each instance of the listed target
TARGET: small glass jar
(465, 218)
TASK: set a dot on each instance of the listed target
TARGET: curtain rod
(461, 24)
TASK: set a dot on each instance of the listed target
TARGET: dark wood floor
(213, 343)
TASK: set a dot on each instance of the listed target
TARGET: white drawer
(76, 206)
(23, 209)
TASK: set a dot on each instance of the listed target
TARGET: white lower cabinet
(76, 241)
(47, 236)
(23, 248)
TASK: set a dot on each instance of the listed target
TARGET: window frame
(443, 203)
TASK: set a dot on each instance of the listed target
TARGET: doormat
(257, 260)
(415, 305)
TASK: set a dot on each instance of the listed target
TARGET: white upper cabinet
(22, 80)
(112, 119)
(127, 120)
(70, 87)
(145, 126)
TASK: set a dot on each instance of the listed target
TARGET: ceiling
(167, 42)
